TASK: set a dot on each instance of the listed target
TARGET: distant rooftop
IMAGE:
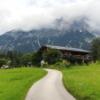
(67, 48)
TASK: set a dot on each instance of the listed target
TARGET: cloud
(34, 14)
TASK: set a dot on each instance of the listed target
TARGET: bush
(74, 59)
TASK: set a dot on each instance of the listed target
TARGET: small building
(68, 51)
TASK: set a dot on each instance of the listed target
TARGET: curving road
(49, 88)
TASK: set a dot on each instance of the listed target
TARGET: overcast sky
(33, 14)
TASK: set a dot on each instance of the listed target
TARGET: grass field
(83, 81)
(14, 83)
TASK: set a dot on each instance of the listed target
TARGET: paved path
(49, 88)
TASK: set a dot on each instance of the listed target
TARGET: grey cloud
(33, 14)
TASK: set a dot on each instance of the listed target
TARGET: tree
(15, 58)
(52, 56)
(26, 59)
(96, 49)
(37, 57)
(3, 62)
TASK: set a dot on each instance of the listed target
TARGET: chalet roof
(67, 48)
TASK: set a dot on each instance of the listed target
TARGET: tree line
(17, 59)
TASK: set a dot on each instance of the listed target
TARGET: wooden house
(68, 51)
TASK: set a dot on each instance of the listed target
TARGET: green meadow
(83, 81)
(15, 83)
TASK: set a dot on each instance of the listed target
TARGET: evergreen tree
(96, 49)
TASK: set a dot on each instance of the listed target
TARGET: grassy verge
(14, 83)
(83, 81)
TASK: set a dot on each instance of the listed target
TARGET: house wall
(80, 55)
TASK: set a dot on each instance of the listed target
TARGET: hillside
(26, 41)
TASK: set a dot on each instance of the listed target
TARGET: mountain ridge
(77, 36)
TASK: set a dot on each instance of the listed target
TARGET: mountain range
(76, 36)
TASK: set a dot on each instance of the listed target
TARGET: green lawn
(83, 81)
(15, 83)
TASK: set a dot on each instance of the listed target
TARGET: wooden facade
(67, 50)
(78, 53)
